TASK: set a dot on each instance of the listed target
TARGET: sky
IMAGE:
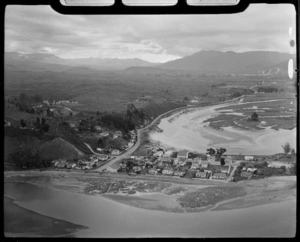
(155, 38)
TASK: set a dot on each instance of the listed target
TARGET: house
(252, 170)
(97, 128)
(115, 152)
(152, 171)
(197, 161)
(104, 134)
(102, 157)
(204, 164)
(136, 169)
(194, 166)
(248, 158)
(93, 158)
(228, 159)
(130, 144)
(168, 171)
(117, 134)
(190, 174)
(70, 164)
(181, 163)
(219, 176)
(60, 163)
(175, 161)
(211, 158)
(179, 173)
(200, 174)
(220, 168)
(158, 153)
(246, 174)
(166, 160)
(169, 153)
(182, 154)
(100, 149)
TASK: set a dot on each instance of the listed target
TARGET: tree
(210, 151)
(286, 148)
(293, 152)
(254, 117)
(23, 123)
(38, 123)
(48, 111)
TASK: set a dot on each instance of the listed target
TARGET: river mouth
(99, 216)
(189, 130)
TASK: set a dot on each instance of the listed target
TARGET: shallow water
(188, 131)
(107, 218)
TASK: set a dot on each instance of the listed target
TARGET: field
(113, 91)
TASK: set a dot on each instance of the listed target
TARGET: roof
(246, 174)
(182, 153)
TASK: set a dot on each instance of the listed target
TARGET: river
(107, 218)
(189, 131)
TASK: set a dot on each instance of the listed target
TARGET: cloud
(154, 38)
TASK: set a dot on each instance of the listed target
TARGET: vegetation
(254, 117)
(286, 148)
(267, 89)
(27, 159)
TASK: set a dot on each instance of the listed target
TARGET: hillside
(230, 62)
(59, 149)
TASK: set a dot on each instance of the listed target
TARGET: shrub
(286, 148)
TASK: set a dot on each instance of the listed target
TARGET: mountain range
(252, 62)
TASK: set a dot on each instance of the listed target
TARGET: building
(167, 171)
(211, 158)
(70, 164)
(166, 160)
(130, 144)
(182, 154)
(194, 166)
(158, 153)
(115, 152)
(97, 128)
(117, 134)
(104, 134)
(200, 174)
(219, 176)
(169, 153)
(248, 158)
(246, 174)
(152, 171)
(136, 169)
(102, 157)
(204, 164)
(179, 173)
(220, 168)
(60, 163)
(252, 170)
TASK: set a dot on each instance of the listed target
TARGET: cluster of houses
(179, 164)
(53, 102)
(82, 164)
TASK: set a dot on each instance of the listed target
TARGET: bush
(286, 148)
(25, 158)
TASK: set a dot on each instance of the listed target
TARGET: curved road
(139, 131)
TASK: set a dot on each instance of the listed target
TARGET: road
(139, 132)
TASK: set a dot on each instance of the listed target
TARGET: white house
(182, 154)
(115, 152)
(249, 158)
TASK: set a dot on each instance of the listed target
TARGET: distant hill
(49, 62)
(229, 62)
